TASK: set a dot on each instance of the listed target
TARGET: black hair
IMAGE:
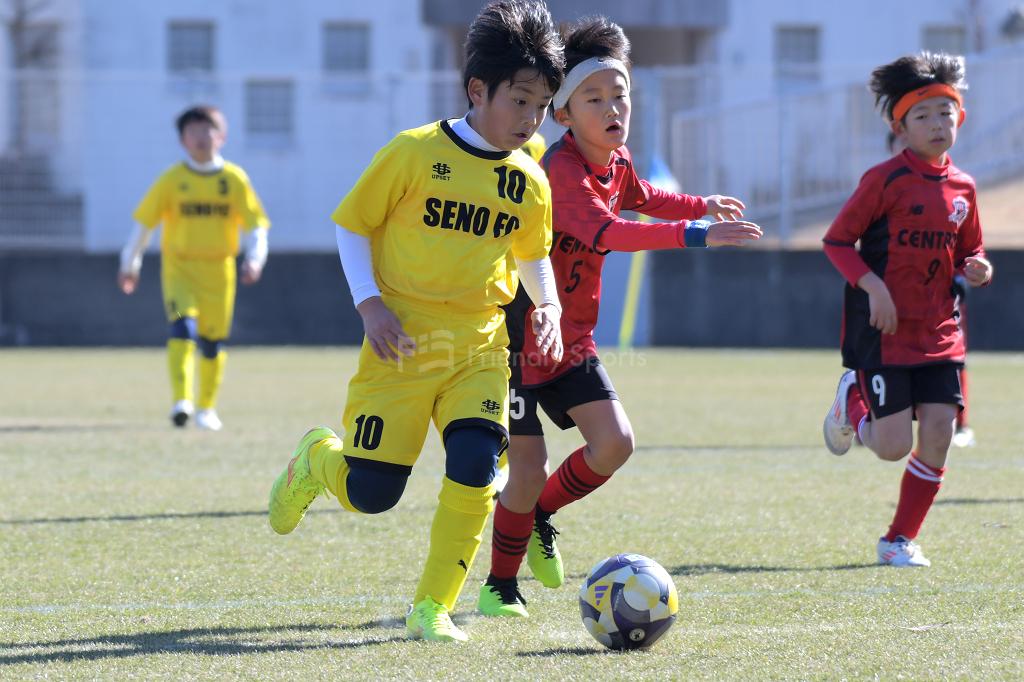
(509, 35)
(204, 113)
(594, 36)
(890, 141)
(891, 81)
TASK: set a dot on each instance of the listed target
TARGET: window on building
(797, 57)
(190, 46)
(35, 107)
(269, 108)
(39, 46)
(948, 39)
(346, 48)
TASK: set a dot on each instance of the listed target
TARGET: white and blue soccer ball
(628, 601)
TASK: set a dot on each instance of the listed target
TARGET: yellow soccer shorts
(200, 289)
(457, 375)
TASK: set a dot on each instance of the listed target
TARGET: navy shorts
(889, 390)
(586, 383)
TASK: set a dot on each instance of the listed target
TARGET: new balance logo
(490, 407)
(442, 171)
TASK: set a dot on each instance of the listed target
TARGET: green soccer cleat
(430, 621)
(295, 489)
(542, 554)
(501, 597)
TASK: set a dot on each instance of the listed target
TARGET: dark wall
(794, 299)
(719, 297)
(71, 299)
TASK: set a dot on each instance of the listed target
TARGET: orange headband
(905, 103)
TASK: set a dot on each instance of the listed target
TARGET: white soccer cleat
(964, 437)
(181, 412)
(208, 420)
(901, 553)
(838, 430)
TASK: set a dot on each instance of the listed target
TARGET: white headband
(581, 72)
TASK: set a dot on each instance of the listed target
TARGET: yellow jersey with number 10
(446, 219)
(202, 213)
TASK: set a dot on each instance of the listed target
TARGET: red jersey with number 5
(916, 223)
(586, 202)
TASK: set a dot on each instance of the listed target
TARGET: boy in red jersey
(592, 179)
(963, 437)
(917, 222)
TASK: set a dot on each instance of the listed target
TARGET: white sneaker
(181, 412)
(837, 428)
(901, 553)
(964, 437)
(500, 480)
(208, 419)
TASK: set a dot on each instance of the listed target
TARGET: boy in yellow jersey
(433, 239)
(205, 204)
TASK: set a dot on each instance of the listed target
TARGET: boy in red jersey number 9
(916, 219)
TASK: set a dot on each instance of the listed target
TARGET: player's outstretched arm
(383, 330)
(722, 207)
(732, 233)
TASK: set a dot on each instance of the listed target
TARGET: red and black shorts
(585, 383)
(889, 390)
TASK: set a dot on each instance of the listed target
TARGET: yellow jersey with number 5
(202, 214)
(446, 220)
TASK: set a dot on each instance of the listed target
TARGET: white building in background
(312, 88)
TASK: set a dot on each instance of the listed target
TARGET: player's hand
(384, 331)
(732, 233)
(724, 208)
(251, 272)
(127, 282)
(883, 311)
(977, 270)
(547, 327)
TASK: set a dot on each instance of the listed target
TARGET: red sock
(572, 481)
(509, 538)
(855, 407)
(920, 484)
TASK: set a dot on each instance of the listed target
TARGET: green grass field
(132, 550)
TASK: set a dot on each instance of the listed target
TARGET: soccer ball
(628, 602)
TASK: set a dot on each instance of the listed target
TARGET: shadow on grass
(573, 651)
(202, 641)
(163, 516)
(62, 428)
(757, 447)
(955, 501)
(704, 569)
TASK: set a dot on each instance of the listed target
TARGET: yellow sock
(181, 355)
(211, 374)
(454, 538)
(328, 466)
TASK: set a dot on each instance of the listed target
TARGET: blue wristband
(695, 235)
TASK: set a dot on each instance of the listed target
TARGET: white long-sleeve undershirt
(537, 276)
